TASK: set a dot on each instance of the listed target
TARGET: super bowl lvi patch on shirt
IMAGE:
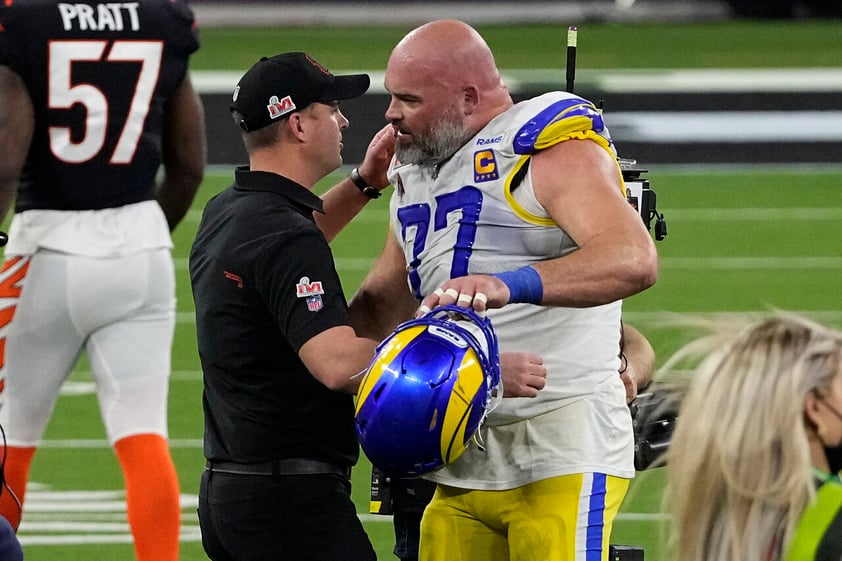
(312, 291)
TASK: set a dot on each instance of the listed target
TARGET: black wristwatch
(365, 188)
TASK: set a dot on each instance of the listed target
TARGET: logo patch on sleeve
(485, 166)
(312, 291)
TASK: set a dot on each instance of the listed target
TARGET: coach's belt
(289, 466)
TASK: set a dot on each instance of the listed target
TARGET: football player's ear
(470, 98)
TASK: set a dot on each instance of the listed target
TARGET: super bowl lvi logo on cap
(280, 85)
(280, 108)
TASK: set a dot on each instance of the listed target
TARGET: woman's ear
(812, 411)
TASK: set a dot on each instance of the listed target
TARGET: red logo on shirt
(236, 278)
(306, 288)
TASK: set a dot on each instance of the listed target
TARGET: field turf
(740, 240)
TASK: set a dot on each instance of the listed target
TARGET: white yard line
(794, 214)
(706, 214)
(751, 263)
(88, 517)
(98, 517)
(723, 263)
(631, 80)
(90, 443)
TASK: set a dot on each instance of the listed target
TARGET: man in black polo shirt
(276, 344)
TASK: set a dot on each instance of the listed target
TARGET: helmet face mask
(427, 390)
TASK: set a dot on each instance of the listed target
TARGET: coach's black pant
(247, 517)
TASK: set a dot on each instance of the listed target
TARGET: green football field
(741, 240)
(731, 44)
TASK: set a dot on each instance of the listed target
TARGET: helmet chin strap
(494, 400)
(478, 440)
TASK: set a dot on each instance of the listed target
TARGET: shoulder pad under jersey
(556, 122)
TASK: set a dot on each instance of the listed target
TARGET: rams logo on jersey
(485, 166)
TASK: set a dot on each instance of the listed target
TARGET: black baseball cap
(278, 85)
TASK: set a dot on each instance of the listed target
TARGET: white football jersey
(477, 214)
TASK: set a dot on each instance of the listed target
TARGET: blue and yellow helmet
(427, 391)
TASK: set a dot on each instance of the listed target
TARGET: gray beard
(441, 142)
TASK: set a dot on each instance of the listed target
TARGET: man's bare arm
(616, 256)
(637, 361)
(335, 357)
(17, 122)
(184, 151)
(383, 300)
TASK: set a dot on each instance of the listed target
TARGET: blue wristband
(524, 284)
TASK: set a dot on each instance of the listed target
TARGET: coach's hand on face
(377, 157)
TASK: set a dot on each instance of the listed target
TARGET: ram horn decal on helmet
(428, 389)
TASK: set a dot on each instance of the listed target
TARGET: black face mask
(833, 453)
(834, 458)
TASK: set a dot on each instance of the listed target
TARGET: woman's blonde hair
(739, 469)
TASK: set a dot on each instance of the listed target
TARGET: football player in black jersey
(94, 98)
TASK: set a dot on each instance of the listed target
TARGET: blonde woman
(749, 478)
